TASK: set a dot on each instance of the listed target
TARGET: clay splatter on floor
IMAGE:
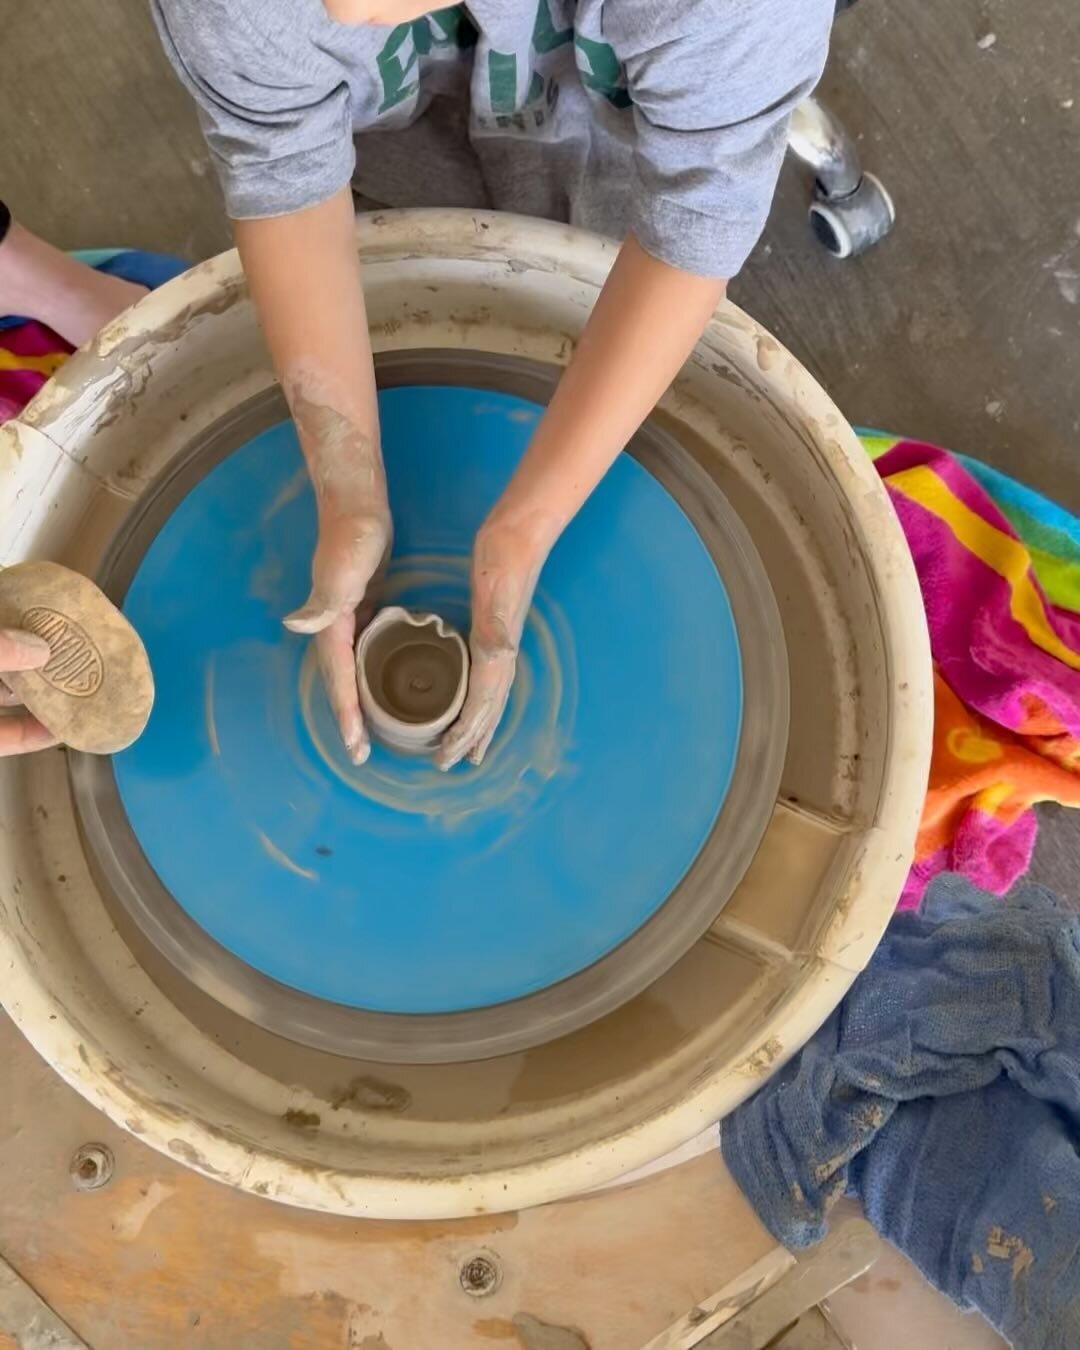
(536, 1335)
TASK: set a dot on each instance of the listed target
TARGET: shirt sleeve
(278, 125)
(711, 108)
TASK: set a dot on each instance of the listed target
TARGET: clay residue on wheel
(282, 859)
(301, 1120)
(367, 1093)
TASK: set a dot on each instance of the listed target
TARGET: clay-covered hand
(19, 732)
(352, 551)
(505, 568)
(316, 328)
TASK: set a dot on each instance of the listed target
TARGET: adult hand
(20, 732)
(505, 567)
(351, 554)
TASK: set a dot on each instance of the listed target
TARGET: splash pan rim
(135, 895)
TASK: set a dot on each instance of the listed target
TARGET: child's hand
(506, 565)
(352, 552)
(642, 329)
(316, 327)
(20, 733)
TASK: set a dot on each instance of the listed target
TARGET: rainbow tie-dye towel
(999, 567)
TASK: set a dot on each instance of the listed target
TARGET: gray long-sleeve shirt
(667, 118)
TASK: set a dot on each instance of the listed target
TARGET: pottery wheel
(391, 911)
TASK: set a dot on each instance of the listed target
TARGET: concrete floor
(962, 328)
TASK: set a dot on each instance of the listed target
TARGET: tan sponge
(96, 690)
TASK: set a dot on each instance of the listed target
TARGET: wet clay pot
(412, 671)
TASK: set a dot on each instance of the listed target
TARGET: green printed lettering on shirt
(603, 75)
(546, 37)
(393, 70)
(502, 86)
(502, 78)
(408, 42)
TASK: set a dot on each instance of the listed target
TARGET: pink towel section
(29, 355)
(988, 554)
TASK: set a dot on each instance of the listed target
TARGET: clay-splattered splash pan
(390, 911)
(387, 992)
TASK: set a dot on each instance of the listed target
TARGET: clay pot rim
(394, 614)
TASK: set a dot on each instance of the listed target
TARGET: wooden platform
(161, 1258)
